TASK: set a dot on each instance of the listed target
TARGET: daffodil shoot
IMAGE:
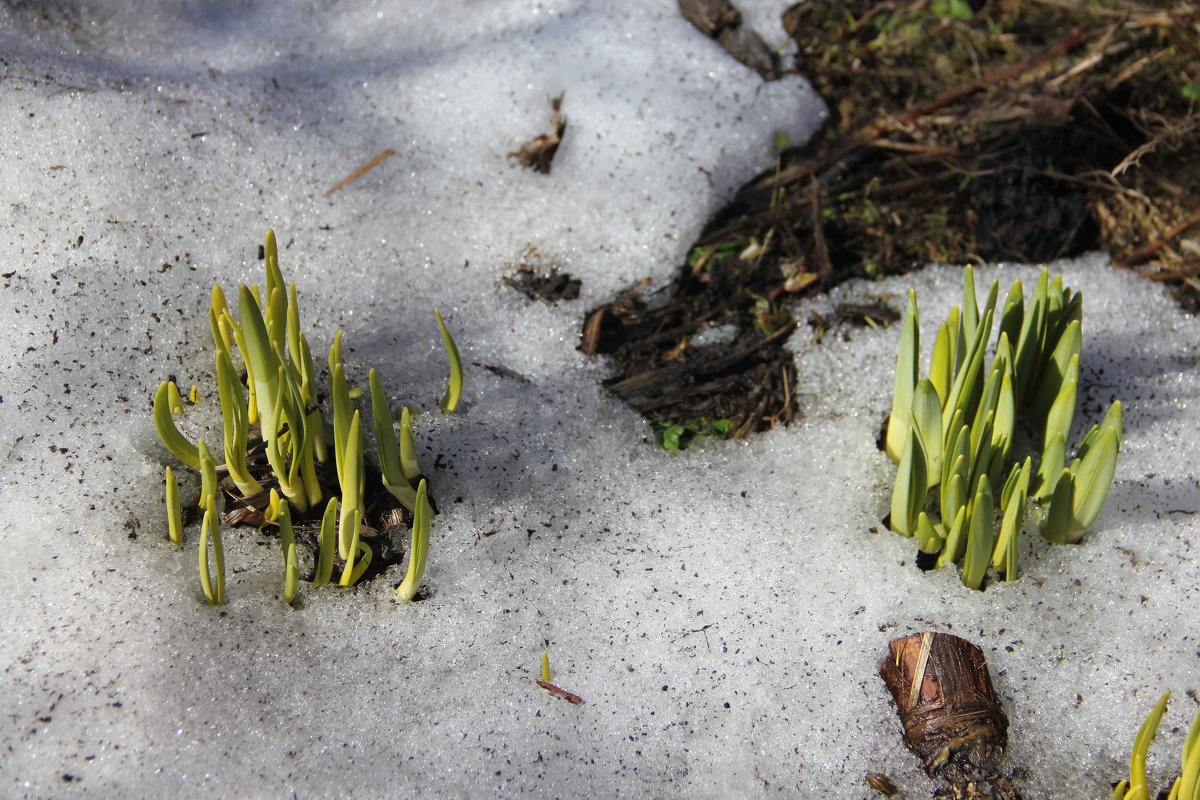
(285, 466)
(959, 434)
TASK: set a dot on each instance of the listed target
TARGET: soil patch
(961, 132)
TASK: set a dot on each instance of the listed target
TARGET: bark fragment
(538, 153)
(951, 715)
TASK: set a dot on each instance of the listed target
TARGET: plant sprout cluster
(954, 432)
(277, 443)
(1186, 786)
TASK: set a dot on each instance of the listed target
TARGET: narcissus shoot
(954, 432)
(279, 469)
(1186, 786)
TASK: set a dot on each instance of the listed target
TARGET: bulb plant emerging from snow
(1186, 786)
(954, 433)
(278, 445)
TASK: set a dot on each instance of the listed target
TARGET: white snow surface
(722, 612)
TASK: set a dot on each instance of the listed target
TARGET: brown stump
(951, 716)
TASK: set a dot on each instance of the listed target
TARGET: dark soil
(961, 132)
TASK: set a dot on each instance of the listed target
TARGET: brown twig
(573, 699)
(370, 165)
(1146, 251)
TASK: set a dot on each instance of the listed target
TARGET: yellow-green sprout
(394, 478)
(418, 550)
(179, 446)
(273, 416)
(328, 544)
(454, 387)
(174, 513)
(954, 432)
(213, 585)
(287, 543)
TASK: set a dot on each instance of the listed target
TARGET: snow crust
(722, 611)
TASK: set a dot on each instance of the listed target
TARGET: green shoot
(409, 467)
(906, 379)
(359, 557)
(174, 513)
(180, 447)
(275, 432)
(954, 432)
(328, 544)
(454, 388)
(287, 543)
(546, 666)
(212, 585)
(418, 550)
(394, 479)
(351, 484)
(1141, 747)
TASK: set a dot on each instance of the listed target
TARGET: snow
(721, 611)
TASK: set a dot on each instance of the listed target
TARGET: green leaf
(964, 393)
(928, 539)
(385, 434)
(908, 495)
(1189, 779)
(360, 554)
(953, 496)
(271, 264)
(980, 537)
(328, 544)
(1058, 515)
(954, 9)
(287, 543)
(958, 443)
(906, 379)
(208, 473)
(174, 441)
(668, 437)
(927, 417)
(1004, 426)
(418, 551)
(234, 416)
(989, 399)
(174, 513)
(212, 584)
(1053, 457)
(1012, 315)
(335, 351)
(1092, 482)
(941, 364)
(454, 387)
(955, 540)
(1138, 789)
(970, 306)
(261, 360)
(981, 447)
(408, 450)
(1061, 413)
(342, 411)
(1056, 371)
(174, 400)
(1013, 520)
(1114, 418)
(350, 472)
(1029, 343)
